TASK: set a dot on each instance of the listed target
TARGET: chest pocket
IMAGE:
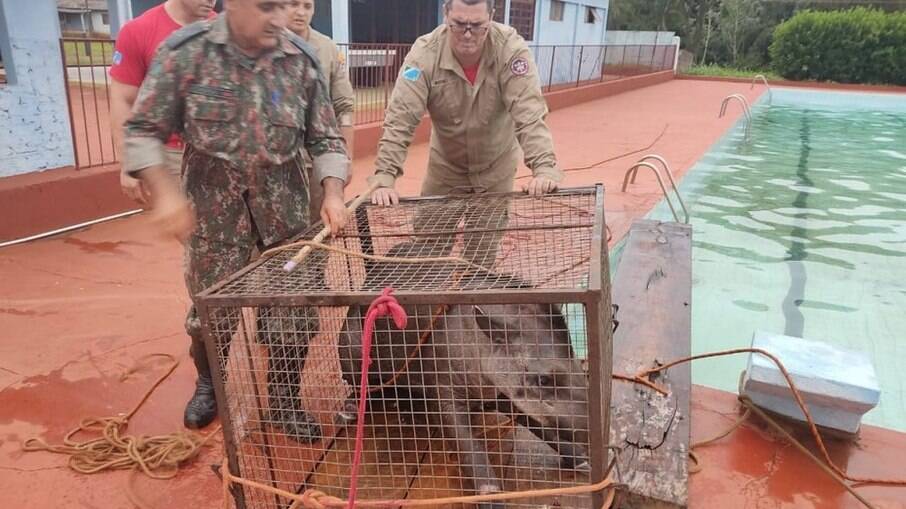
(285, 132)
(446, 102)
(211, 124)
(489, 104)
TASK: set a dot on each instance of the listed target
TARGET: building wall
(639, 37)
(34, 121)
(578, 56)
(97, 23)
(641, 48)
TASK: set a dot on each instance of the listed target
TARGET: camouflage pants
(285, 331)
(484, 220)
(207, 261)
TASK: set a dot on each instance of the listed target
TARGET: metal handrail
(745, 106)
(765, 81)
(745, 109)
(660, 181)
(655, 157)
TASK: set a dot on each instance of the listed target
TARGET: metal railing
(373, 70)
(85, 66)
(563, 67)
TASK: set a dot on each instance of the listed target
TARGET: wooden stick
(325, 232)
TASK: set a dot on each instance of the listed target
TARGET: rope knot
(316, 499)
(387, 305)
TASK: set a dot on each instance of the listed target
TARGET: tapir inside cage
(499, 382)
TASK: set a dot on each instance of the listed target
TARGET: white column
(120, 12)
(676, 42)
(339, 19)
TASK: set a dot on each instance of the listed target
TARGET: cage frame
(596, 299)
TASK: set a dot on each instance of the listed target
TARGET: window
(7, 70)
(522, 17)
(591, 15)
(500, 11)
(556, 13)
(105, 18)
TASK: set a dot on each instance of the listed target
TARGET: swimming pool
(800, 229)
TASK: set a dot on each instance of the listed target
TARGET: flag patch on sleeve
(412, 73)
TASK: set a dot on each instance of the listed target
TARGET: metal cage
(499, 382)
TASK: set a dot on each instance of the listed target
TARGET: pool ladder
(745, 106)
(633, 172)
(765, 81)
(745, 109)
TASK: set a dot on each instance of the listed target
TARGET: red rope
(385, 305)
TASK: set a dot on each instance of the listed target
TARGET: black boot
(283, 378)
(202, 408)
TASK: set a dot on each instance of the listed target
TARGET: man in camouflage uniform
(333, 66)
(247, 96)
(478, 81)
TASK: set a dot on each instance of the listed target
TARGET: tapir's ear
(492, 328)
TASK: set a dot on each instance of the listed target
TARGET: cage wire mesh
(487, 388)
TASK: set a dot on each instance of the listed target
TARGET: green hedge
(853, 46)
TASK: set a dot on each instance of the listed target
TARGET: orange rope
(316, 499)
(799, 401)
(157, 456)
(639, 380)
(840, 479)
(380, 258)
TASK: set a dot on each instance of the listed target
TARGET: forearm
(348, 133)
(122, 97)
(333, 187)
(119, 113)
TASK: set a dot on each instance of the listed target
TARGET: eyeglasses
(473, 28)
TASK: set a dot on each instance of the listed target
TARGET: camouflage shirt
(252, 115)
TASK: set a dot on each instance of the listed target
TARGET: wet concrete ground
(77, 310)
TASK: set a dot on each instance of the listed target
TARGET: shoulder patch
(519, 66)
(304, 47)
(187, 33)
(412, 73)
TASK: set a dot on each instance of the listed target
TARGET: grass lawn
(77, 53)
(728, 72)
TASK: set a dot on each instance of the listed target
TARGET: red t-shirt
(471, 72)
(136, 46)
(137, 43)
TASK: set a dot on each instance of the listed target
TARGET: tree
(733, 32)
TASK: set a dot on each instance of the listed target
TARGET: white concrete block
(838, 385)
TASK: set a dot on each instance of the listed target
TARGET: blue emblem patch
(412, 73)
(117, 58)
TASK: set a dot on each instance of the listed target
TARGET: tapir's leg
(572, 455)
(350, 353)
(473, 457)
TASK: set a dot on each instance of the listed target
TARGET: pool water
(799, 228)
